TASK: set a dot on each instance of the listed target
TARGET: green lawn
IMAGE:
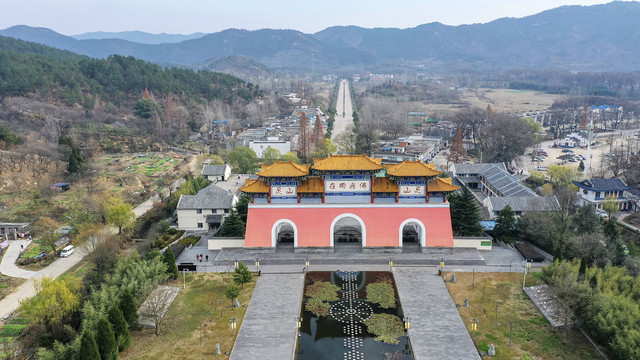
(197, 320)
(532, 337)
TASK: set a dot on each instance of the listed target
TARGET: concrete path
(344, 110)
(437, 331)
(268, 331)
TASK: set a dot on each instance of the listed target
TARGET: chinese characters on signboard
(347, 186)
(412, 190)
(283, 190)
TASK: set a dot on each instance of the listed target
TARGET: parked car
(538, 159)
(601, 212)
(542, 168)
(573, 159)
(568, 151)
(67, 251)
(582, 157)
(609, 155)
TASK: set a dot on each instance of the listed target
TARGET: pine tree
(505, 225)
(105, 340)
(128, 307)
(232, 226)
(242, 275)
(76, 160)
(120, 328)
(170, 260)
(583, 269)
(465, 215)
(88, 347)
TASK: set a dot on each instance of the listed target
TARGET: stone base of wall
(313, 250)
(381, 250)
(437, 250)
(259, 250)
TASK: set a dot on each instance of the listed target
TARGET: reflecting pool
(340, 332)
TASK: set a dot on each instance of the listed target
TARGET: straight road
(344, 110)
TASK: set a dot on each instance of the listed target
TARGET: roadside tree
(243, 160)
(120, 214)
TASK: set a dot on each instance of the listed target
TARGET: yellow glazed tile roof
(384, 185)
(255, 186)
(441, 185)
(312, 185)
(412, 168)
(347, 162)
(284, 169)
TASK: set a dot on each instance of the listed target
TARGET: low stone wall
(480, 243)
(219, 243)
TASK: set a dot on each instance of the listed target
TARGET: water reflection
(342, 334)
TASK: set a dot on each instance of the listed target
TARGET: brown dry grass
(532, 335)
(196, 321)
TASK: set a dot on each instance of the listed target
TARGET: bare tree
(156, 306)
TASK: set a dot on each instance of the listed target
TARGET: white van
(67, 251)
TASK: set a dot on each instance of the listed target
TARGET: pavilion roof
(412, 168)
(284, 169)
(255, 186)
(347, 162)
(312, 185)
(442, 185)
(384, 185)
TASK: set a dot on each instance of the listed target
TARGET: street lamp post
(235, 264)
(306, 265)
(474, 325)
(441, 266)
(257, 261)
(527, 266)
(233, 322)
(407, 324)
(298, 321)
(390, 264)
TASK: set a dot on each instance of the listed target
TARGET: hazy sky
(72, 17)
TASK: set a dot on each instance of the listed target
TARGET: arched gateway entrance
(348, 229)
(412, 233)
(284, 234)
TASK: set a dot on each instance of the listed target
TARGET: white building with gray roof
(206, 210)
(496, 188)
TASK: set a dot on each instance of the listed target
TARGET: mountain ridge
(572, 38)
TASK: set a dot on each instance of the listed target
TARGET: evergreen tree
(128, 307)
(242, 275)
(88, 347)
(170, 260)
(612, 232)
(465, 215)
(105, 340)
(76, 160)
(581, 166)
(120, 328)
(232, 226)
(242, 207)
(505, 225)
(583, 269)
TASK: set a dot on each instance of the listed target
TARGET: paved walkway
(268, 331)
(344, 110)
(437, 332)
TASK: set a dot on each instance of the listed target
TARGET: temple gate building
(348, 199)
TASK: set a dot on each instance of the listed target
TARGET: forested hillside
(27, 68)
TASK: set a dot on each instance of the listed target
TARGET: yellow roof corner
(412, 168)
(284, 169)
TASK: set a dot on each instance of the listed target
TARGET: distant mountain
(581, 38)
(138, 37)
(237, 65)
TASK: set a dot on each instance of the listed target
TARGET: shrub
(381, 293)
(386, 327)
(320, 293)
(317, 307)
